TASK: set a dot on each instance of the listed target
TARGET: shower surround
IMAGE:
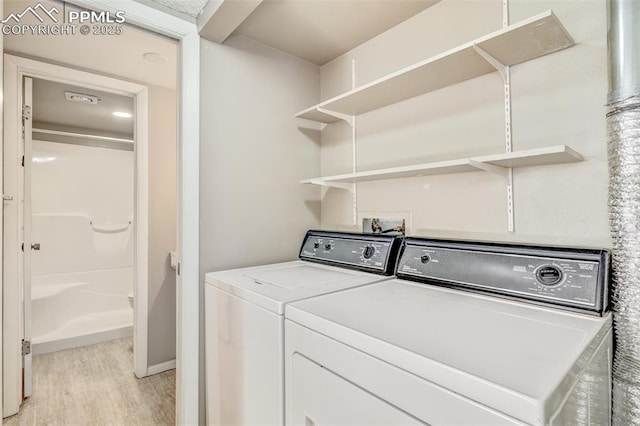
(82, 216)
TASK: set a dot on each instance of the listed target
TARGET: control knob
(549, 275)
(368, 252)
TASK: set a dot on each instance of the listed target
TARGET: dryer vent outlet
(387, 226)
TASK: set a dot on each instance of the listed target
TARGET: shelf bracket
(351, 119)
(496, 170)
(354, 167)
(502, 68)
(507, 174)
(505, 13)
(506, 77)
(346, 186)
(354, 147)
(510, 214)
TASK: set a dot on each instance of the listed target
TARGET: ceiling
(52, 111)
(315, 30)
(321, 30)
(188, 7)
(115, 55)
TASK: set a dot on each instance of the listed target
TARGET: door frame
(15, 69)
(1, 211)
(189, 398)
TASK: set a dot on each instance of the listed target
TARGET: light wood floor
(95, 385)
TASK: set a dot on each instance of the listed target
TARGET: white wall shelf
(526, 40)
(534, 157)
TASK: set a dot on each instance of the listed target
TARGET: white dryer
(244, 322)
(468, 334)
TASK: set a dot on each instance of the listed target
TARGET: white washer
(244, 323)
(429, 348)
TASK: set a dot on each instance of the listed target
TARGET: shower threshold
(86, 330)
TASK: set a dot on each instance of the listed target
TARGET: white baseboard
(161, 368)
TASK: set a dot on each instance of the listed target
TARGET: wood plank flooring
(95, 385)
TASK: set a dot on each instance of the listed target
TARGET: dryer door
(321, 397)
(330, 383)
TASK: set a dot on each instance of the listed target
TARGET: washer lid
(517, 358)
(296, 276)
(271, 286)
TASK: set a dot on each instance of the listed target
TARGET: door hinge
(26, 347)
(23, 161)
(26, 112)
(22, 247)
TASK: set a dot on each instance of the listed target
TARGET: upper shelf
(533, 157)
(529, 39)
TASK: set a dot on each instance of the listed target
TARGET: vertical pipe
(623, 38)
(623, 126)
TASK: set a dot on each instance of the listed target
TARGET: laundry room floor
(95, 385)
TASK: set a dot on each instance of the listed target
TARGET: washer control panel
(371, 253)
(569, 277)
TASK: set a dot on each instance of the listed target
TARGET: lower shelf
(533, 157)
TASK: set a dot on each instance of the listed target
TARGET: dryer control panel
(364, 252)
(574, 278)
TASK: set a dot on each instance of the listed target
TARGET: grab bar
(110, 229)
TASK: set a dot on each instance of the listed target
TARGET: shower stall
(82, 197)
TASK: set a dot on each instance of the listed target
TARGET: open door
(17, 244)
(28, 245)
(19, 77)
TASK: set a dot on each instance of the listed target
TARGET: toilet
(130, 297)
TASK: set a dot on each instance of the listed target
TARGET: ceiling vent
(81, 98)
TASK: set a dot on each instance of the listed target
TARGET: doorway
(19, 73)
(187, 349)
(82, 224)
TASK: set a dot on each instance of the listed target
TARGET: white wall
(252, 209)
(162, 225)
(78, 179)
(253, 154)
(557, 99)
(72, 187)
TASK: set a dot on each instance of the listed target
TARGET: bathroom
(82, 198)
(103, 212)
